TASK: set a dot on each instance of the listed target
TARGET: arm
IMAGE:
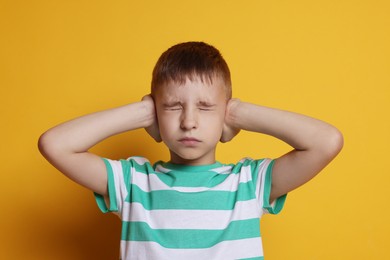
(66, 145)
(315, 142)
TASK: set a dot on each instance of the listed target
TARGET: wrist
(146, 113)
(151, 125)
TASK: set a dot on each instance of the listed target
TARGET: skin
(190, 120)
(194, 110)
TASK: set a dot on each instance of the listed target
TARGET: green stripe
(142, 168)
(189, 176)
(113, 207)
(206, 179)
(190, 238)
(171, 199)
(253, 258)
(189, 168)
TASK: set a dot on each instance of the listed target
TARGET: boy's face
(191, 119)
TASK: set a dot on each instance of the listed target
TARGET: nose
(189, 120)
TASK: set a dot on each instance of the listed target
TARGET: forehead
(202, 90)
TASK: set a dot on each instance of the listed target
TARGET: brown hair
(191, 60)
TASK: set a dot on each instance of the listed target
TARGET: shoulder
(138, 163)
(251, 164)
(137, 160)
(255, 168)
(134, 163)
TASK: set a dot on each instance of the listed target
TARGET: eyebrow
(172, 104)
(206, 104)
(178, 103)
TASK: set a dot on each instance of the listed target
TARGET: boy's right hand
(229, 129)
(153, 129)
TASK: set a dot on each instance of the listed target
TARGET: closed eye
(173, 108)
(206, 109)
(204, 106)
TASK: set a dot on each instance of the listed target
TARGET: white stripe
(235, 249)
(223, 170)
(190, 219)
(151, 182)
(121, 193)
(261, 183)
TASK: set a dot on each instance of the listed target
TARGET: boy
(191, 207)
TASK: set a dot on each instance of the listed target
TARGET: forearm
(299, 131)
(66, 145)
(80, 134)
(315, 142)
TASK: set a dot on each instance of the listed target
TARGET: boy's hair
(191, 60)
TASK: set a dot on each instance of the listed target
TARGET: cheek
(216, 123)
(165, 124)
(218, 118)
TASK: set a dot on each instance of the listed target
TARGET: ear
(154, 131)
(228, 133)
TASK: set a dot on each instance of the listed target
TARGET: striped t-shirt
(171, 211)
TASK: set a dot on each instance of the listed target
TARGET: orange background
(327, 59)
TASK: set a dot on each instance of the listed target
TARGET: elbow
(43, 143)
(47, 144)
(334, 142)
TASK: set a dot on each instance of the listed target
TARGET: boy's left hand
(229, 130)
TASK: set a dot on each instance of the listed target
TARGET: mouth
(189, 141)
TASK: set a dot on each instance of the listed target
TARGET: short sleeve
(118, 175)
(263, 180)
